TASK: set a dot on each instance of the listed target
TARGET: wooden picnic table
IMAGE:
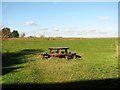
(59, 52)
(58, 49)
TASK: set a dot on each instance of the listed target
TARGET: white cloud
(104, 17)
(30, 23)
(115, 34)
(40, 31)
(71, 29)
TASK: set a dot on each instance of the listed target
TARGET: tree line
(6, 33)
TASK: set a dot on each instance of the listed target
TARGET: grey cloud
(93, 32)
(41, 29)
(56, 29)
(30, 23)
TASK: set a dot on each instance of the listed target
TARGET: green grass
(22, 62)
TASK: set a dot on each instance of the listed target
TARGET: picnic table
(61, 52)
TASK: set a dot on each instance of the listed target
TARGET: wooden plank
(55, 48)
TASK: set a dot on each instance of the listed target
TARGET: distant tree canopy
(14, 34)
(5, 33)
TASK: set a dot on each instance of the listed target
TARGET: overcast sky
(66, 19)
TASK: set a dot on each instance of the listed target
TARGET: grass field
(22, 63)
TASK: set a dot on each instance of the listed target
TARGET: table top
(58, 48)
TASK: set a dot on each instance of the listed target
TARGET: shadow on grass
(12, 58)
(91, 84)
(9, 69)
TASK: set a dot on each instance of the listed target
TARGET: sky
(62, 19)
(60, 0)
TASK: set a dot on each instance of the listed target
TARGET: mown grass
(22, 62)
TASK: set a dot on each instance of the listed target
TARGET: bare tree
(22, 35)
(5, 33)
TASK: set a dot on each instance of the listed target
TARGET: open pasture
(22, 63)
